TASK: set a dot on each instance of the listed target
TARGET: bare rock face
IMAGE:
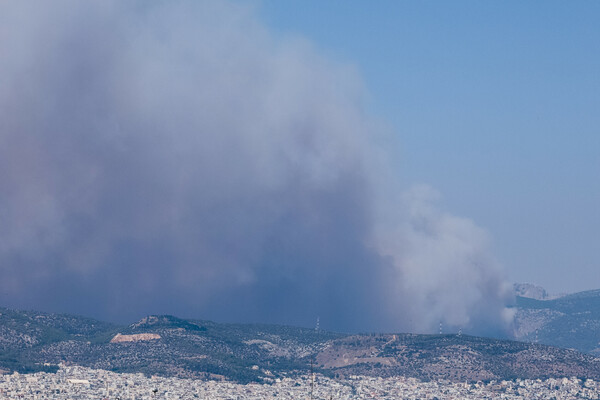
(530, 291)
(138, 337)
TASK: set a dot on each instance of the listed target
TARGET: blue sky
(179, 158)
(494, 104)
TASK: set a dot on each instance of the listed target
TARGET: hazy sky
(494, 104)
(385, 168)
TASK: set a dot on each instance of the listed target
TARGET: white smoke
(176, 157)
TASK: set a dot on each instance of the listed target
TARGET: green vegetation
(31, 341)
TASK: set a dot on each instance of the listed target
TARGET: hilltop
(570, 321)
(169, 346)
(456, 358)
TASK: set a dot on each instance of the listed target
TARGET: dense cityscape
(73, 382)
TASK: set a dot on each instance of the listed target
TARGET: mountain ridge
(31, 341)
(569, 321)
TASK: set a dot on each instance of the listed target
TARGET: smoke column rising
(176, 157)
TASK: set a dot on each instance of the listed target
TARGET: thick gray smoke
(175, 157)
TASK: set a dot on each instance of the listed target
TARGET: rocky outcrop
(138, 337)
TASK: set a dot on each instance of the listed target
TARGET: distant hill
(452, 357)
(530, 291)
(170, 346)
(571, 321)
(31, 341)
(22, 332)
(536, 292)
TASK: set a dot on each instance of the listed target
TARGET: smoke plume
(177, 157)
